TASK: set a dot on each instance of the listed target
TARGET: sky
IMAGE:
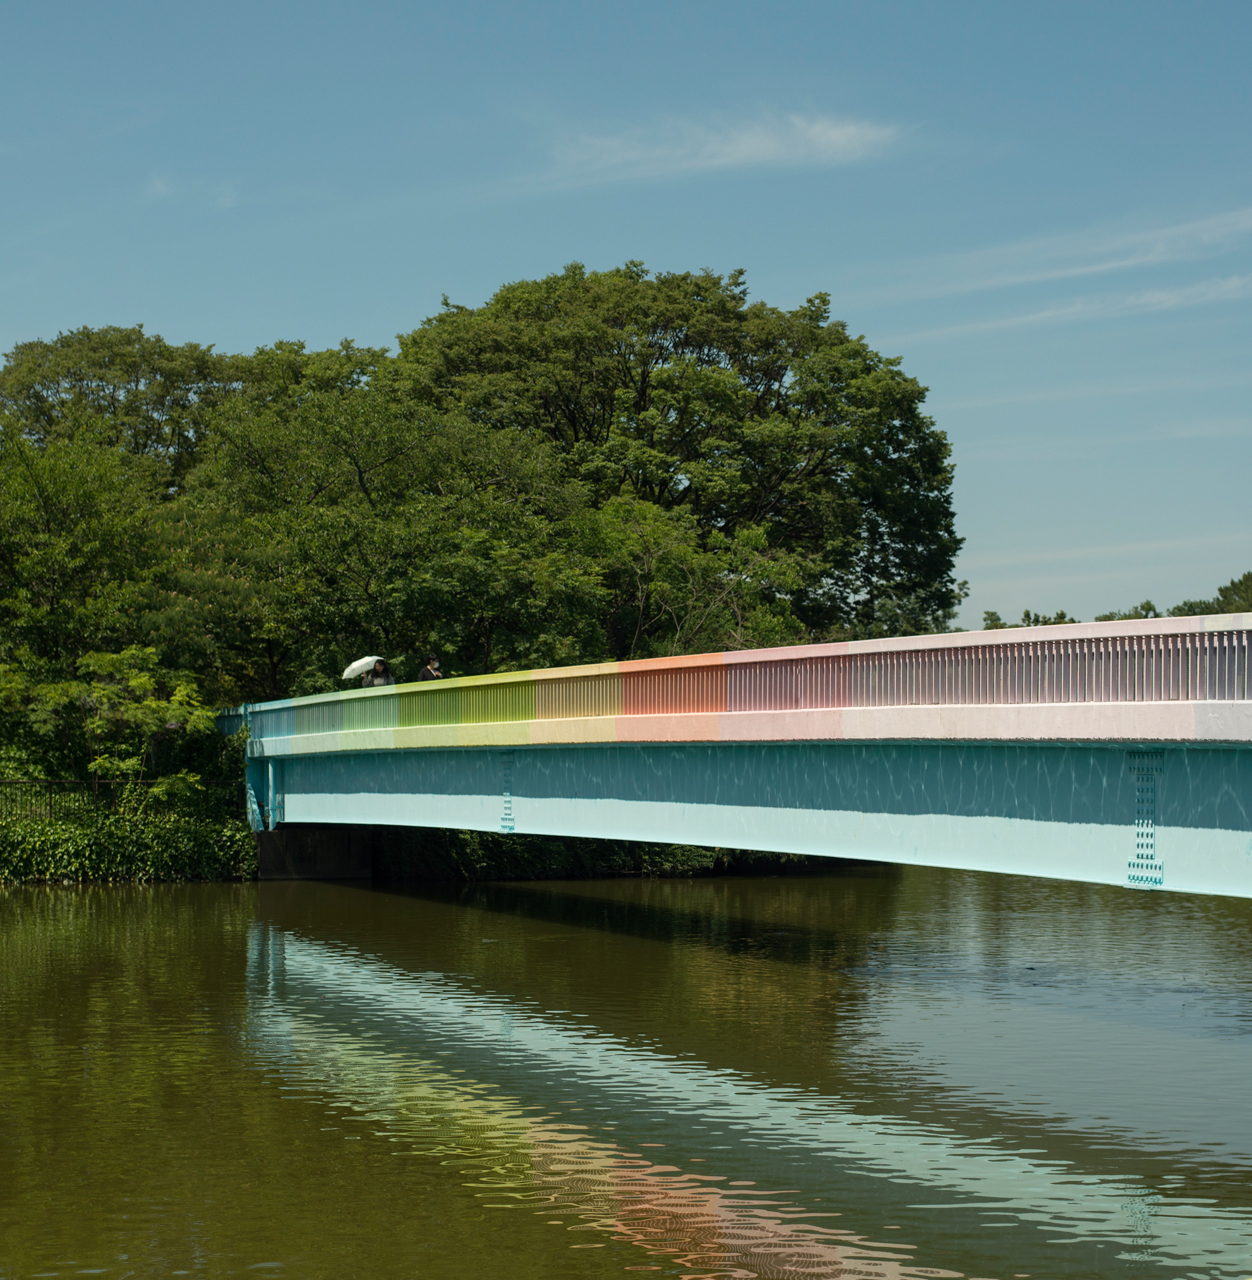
(1045, 210)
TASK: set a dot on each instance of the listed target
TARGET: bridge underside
(1139, 815)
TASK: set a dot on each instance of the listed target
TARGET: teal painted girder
(1118, 813)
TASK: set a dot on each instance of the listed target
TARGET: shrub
(113, 846)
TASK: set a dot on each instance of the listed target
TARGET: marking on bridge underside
(1145, 870)
(506, 783)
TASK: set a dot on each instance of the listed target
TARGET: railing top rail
(1005, 635)
(957, 640)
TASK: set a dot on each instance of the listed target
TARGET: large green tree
(676, 390)
(75, 547)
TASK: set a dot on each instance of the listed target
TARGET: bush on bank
(131, 847)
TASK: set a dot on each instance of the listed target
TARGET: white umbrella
(361, 666)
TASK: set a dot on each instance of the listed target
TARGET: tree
(389, 527)
(991, 621)
(1145, 610)
(672, 592)
(75, 548)
(1234, 597)
(673, 389)
(109, 716)
(117, 387)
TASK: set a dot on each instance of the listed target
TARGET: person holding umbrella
(373, 670)
(380, 674)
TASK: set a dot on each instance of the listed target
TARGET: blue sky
(1046, 210)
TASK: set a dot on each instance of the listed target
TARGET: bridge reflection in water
(516, 1160)
(544, 1111)
(1115, 753)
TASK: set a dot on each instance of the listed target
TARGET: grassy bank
(125, 847)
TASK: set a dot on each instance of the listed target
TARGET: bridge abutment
(315, 851)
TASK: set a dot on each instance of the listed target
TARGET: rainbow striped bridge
(1115, 753)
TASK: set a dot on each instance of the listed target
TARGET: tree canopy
(594, 465)
(673, 389)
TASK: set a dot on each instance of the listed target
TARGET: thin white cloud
(1006, 559)
(1046, 395)
(1226, 289)
(1090, 252)
(1059, 447)
(196, 192)
(677, 148)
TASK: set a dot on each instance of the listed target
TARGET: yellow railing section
(495, 699)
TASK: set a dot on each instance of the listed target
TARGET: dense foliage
(590, 466)
(125, 847)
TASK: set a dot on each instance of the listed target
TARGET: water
(888, 1072)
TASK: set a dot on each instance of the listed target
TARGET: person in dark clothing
(381, 674)
(431, 670)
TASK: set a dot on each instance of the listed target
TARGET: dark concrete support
(315, 851)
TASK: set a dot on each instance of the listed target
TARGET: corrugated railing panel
(773, 686)
(318, 717)
(378, 711)
(576, 696)
(275, 723)
(429, 706)
(229, 722)
(488, 704)
(674, 691)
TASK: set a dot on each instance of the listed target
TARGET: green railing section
(318, 717)
(470, 700)
(468, 704)
(511, 696)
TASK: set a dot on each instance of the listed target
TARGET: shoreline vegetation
(121, 848)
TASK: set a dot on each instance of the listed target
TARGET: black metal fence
(45, 800)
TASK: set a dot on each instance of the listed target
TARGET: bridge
(1113, 753)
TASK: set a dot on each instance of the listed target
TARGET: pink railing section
(1168, 666)
(1151, 668)
(691, 687)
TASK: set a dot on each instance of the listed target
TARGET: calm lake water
(880, 1072)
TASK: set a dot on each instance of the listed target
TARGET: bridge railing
(1193, 659)
(1188, 667)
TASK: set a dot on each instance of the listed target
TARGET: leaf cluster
(676, 390)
